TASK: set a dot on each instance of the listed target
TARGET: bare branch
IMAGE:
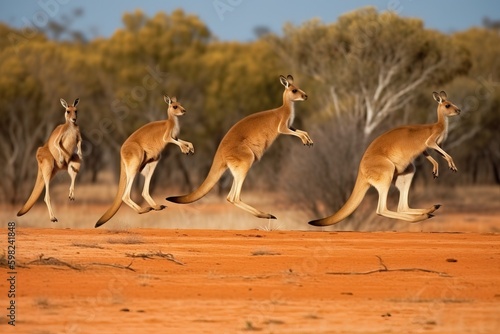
(385, 269)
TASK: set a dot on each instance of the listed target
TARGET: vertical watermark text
(11, 273)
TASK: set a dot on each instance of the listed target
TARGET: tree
(480, 97)
(369, 63)
(369, 67)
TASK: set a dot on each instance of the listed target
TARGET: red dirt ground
(245, 281)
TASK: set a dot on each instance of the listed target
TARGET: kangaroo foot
(266, 216)
(159, 207)
(145, 210)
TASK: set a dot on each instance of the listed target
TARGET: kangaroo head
(71, 111)
(445, 107)
(292, 92)
(174, 107)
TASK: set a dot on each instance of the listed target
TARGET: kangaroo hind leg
(131, 169)
(47, 168)
(240, 170)
(381, 179)
(73, 169)
(403, 183)
(148, 171)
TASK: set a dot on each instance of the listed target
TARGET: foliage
(364, 73)
(370, 68)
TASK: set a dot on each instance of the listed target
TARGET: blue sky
(236, 19)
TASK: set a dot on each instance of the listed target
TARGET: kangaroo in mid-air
(57, 154)
(141, 152)
(390, 157)
(246, 142)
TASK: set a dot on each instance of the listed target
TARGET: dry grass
(83, 245)
(213, 212)
(43, 303)
(3, 260)
(264, 251)
(128, 240)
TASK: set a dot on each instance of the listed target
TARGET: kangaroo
(57, 154)
(246, 142)
(141, 152)
(390, 157)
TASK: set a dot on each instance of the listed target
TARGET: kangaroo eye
(175, 107)
(67, 111)
(447, 106)
(294, 91)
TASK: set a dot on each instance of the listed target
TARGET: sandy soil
(240, 281)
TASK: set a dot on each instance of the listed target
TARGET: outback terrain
(194, 276)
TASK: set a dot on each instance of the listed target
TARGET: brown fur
(390, 158)
(141, 153)
(246, 143)
(57, 154)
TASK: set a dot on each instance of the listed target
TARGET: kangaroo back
(218, 168)
(358, 193)
(118, 199)
(35, 193)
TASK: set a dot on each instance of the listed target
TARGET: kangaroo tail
(218, 168)
(358, 193)
(118, 199)
(35, 193)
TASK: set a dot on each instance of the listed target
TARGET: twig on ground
(385, 269)
(151, 255)
(129, 267)
(42, 260)
(52, 261)
(82, 245)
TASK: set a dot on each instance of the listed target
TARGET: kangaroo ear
(76, 102)
(443, 94)
(167, 99)
(174, 99)
(284, 82)
(64, 103)
(437, 97)
(289, 78)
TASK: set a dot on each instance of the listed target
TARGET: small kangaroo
(57, 154)
(141, 152)
(390, 157)
(246, 142)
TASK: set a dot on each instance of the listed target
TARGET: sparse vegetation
(249, 326)
(43, 302)
(385, 269)
(84, 245)
(274, 322)
(159, 254)
(3, 260)
(264, 251)
(128, 240)
(271, 226)
(52, 261)
(368, 71)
